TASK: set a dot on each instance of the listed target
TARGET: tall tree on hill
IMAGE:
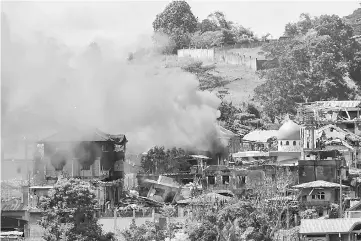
(177, 21)
(312, 66)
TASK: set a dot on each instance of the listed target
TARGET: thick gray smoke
(45, 85)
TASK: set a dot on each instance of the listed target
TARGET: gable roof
(260, 135)
(324, 226)
(320, 184)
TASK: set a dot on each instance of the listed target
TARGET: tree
(159, 160)
(68, 212)
(311, 67)
(354, 20)
(240, 119)
(301, 27)
(207, 25)
(177, 21)
(218, 19)
(144, 232)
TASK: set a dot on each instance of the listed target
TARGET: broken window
(211, 180)
(225, 179)
(350, 125)
(159, 192)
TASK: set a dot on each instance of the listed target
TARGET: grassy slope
(244, 80)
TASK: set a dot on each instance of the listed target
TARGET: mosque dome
(289, 131)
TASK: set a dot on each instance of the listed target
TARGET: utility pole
(340, 209)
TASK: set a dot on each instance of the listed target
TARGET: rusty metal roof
(13, 205)
(327, 226)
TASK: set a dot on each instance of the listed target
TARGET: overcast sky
(80, 22)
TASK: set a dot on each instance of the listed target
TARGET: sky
(79, 22)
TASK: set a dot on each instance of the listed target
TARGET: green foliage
(68, 212)
(144, 232)
(207, 80)
(312, 66)
(159, 160)
(240, 120)
(354, 20)
(177, 21)
(309, 214)
(334, 210)
(216, 31)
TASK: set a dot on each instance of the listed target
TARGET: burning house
(87, 154)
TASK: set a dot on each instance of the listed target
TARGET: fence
(222, 56)
(203, 54)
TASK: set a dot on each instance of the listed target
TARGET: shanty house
(344, 229)
(320, 194)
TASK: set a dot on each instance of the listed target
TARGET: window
(319, 196)
(159, 192)
(287, 143)
(281, 143)
(225, 179)
(294, 143)
(242, 179)
(211, 180)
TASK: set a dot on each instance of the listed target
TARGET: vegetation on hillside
(354, 20)
(179, 23)
(314, 64)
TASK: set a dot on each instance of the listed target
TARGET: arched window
(294, 143)
(287, 143)
(281, 143)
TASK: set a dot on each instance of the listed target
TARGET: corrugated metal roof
(205, 198)
(260, 135)
(13, 205)
(319, 183)
(86, 134)
(355, 206)
(335, 104)
(324, 226)
(250, 154)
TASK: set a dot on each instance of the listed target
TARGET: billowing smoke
(46, 85)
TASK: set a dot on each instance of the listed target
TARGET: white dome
(289, 131)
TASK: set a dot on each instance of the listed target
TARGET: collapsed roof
(85, 134)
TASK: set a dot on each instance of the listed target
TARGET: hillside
(354, 20)
(235, 82)
(242, 81)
